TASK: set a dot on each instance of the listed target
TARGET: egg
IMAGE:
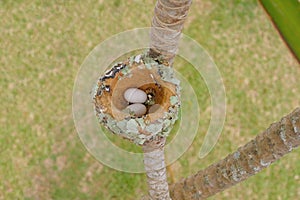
(135, 95)
(154, 108)
(137, 108)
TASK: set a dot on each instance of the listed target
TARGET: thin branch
(156, 170)
(167, 24)
(279, 139)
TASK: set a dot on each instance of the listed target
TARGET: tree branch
(167, 24)
(155, 167)
(279, 139)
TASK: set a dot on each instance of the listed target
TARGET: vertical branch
(279, 139)
(156, 170)
(167, 24)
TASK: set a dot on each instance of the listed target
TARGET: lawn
(42, 45)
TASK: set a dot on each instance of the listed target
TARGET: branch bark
(154, 162)
(167, 24)
(279, 139)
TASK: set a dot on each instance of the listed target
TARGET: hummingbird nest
(153, 77)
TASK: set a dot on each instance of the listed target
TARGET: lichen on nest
(109, 103)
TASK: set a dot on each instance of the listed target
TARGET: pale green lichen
(122, 124)
(129, 112)
(154, 128)
(236, 155)
(125, 70)
(174, 100)
(167, 74)
(141, 141)
(167, 123)
(101, 117)
(115, 128)
(125, 73)
(94, 90)
(148, 66)
(132, 126)
(141, 122)
(138, 58)
(131, 60)
(148, 59)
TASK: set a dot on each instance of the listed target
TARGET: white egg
(154, 108)
(135, 95)
(138, 109)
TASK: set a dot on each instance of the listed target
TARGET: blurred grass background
(43, 44)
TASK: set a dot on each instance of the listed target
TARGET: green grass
(42, 45)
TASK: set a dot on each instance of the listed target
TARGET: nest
(156, 80)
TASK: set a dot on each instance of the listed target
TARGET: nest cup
(157, 80)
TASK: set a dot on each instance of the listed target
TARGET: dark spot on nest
(107, 88)
(112, 72)
(99, 92)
